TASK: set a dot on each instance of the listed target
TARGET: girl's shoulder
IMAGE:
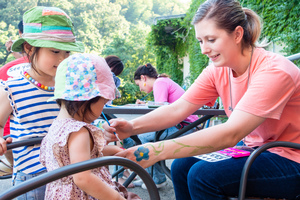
(63, 127)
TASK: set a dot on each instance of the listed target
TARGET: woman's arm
(79, 150)
(204, 141)
(161, 118)
(164, 117)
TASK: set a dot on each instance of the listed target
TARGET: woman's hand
(120, 126)
(145, 155)
(140, 102)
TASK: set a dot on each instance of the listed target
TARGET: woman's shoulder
(164, 80)
(267, 60)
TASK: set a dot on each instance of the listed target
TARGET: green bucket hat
(48, 27)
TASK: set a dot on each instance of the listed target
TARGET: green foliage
(172, 39)
(166, 43)
(197, 60)
(6, 32)
(281, 22)
(106, 27)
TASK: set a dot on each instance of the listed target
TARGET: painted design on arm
(161, 146)
(141, 153)
(194, 152)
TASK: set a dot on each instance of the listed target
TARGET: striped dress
(32, 116)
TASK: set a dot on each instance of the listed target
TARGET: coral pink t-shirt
(273, 92)
(166, 90)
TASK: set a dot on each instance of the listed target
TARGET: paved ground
(166, 193)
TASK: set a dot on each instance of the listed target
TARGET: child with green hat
(48, 37)
(83, 85)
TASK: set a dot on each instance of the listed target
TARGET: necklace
(229, 74)
(39, 85)
(230, 107)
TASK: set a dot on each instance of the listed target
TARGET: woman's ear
(143, 77)
(238, 34)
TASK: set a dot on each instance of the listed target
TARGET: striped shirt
(32, 116)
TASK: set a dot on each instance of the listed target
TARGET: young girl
(83, 85)
(48, 39)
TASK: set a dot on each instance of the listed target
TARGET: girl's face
(220, 46)
(143, 84)
(48, 59)
(97, 108)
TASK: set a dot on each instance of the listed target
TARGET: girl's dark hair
(115, 64)
(74, 107)
(147, 70)
(33, 56)
(228, 14)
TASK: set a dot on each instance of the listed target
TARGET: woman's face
(220, 46)
(143, 84)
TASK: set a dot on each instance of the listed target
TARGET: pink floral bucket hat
(82, 77)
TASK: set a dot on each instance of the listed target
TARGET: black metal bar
(79, 167)
(27, 142)
(253, 156)
(190, 126)
(129, 179)
(140, 111)
(294, 57)
(117, 171)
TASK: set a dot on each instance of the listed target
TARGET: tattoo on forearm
(161, 146)
(195, 150)
(141, 153)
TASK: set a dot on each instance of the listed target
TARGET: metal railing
(294, 57)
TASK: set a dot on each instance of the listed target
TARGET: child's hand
(3, 143)
(111, 150)
(8, 45)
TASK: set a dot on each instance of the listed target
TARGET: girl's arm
(5, 111)
(204, 141)
(111, 150)
(79, 150)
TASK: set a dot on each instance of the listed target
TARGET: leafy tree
(6, 32)
(106, 27)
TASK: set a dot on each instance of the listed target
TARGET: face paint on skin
(141, 153)
(161, 146)
(195, 151)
